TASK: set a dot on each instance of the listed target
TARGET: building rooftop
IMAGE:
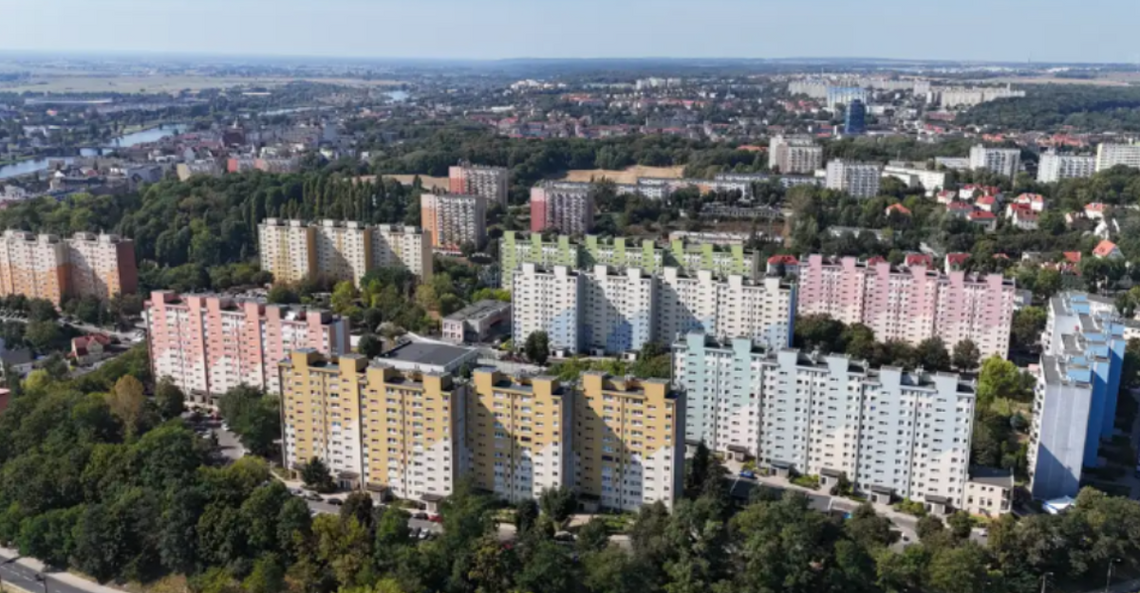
(991, 476)
(426, 353)
(479, 310)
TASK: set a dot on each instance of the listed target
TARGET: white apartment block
(885, 430)
(1003, 161)
(1054, 167)
(402, 246)
(686, 303)
(794, 155)
(547, 301)
(343, 250)
(617, 310)
(931, 181)
(490, 182)
(762, 311)
(860, 180)
(1110, 155)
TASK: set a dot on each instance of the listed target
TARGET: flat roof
(992, 476)
(479, 310)
(426, 353)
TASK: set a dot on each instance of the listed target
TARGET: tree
(253, 417)
(869, 529)
(43, 335)
(358, 506)
(558, 503)
(537, 347)
(697, 470)
(998, 378)
(370, 346)
(966, 355)
(932, 353)
(1028, 323)
(961, 524)
(282, 294)
(169, 399)
(959, 569)
(929, 527)
(526, 514)
(316, 476)
(344, 297)
(819, 331)
(127, 402)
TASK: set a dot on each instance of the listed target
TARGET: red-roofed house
(1023, 217)
(967, 191)
(789, 262)
(1095, 211)
(919, 259)
(897, 208)
(946, 196)
(959, 209)
(1035, 201)
(1073, 257)
(987, 203)
(955, 261)
(875, 260)
(986, 220)
(1107, 250)
(89, 348)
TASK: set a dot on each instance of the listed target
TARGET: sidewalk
(66, 579)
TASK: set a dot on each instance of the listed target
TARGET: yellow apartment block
(518, 434)
(396, 433)
(629, 445)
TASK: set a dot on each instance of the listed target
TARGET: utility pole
(1045, 580)
(1108, 582)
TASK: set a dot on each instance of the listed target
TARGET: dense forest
(95, 477)
(1075, 107)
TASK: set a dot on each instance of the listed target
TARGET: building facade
(569, 211)
(628, 442)
(453, 220)
(860, 180)
(490, 182)
(51, 268)
(1109, 155)
(342, 250)
(1076, 393)
(209, 344)
(855, 120)
(518, 434)
(549, 301)
(476, 322)
(390, 432)
(1054, 167)
(911, 303)
(885, 430)
(1003, 161)
(794, 154)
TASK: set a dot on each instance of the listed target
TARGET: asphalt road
(25, 578)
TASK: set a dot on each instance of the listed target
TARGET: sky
(997, 30)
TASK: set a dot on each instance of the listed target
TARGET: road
(22, 573)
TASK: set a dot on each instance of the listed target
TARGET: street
(22, 573)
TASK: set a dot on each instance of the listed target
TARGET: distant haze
(999, 30)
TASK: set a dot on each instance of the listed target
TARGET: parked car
(435, 518)
(420, 515)
(336, 502)
(751, 475)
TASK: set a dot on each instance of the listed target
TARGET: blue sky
(1013, 30)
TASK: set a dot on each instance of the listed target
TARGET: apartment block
(794, 154)
(287, 248)
(48, 267)
(618, 310)
(628, 442)
(519, 434)
(209, 344)
(889, 431)
(1054, 167)
(566, 210)
(910, 303)
(1075, 398)
(547, 300)
(403, 247)
(1109, 155)
(763, 311)
(490, 182)
(1003, 161)
(343, 250)
(860, 180)
(389, 432)
(453, 220)
(620, 254)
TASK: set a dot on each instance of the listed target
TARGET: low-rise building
(477, 322)
(989, 491)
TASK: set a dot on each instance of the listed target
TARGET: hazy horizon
(974, 30)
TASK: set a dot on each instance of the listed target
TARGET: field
(429, 182)
(629, 175)
(96, 83)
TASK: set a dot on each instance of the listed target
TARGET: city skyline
(457, 30)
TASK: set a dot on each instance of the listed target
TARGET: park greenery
(1058, 107)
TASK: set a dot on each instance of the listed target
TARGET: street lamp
(1045, 580)
(1107, 583)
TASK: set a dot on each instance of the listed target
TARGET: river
(125, 141)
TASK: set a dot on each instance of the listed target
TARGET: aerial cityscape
(328, 314)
